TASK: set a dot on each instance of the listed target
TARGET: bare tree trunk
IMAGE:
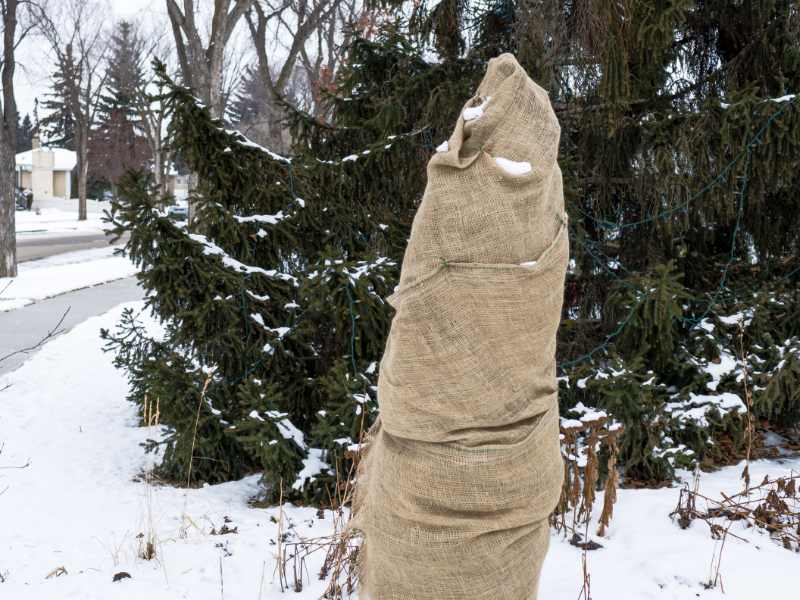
(8, 146)
(82, 55)
(83, 171)
(8, 238)
(201, 66)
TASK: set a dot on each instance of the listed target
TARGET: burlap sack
(463, 466)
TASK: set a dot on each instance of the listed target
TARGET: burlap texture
(463, 465)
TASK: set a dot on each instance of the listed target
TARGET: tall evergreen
(24, 133)
(680, 139)
(117, 143)
(58, 125)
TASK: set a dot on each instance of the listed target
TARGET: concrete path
(24, 327)
(42, 246)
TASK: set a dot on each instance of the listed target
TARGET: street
(34, 247)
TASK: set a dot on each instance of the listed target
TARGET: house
(47, 172)
(179, 185)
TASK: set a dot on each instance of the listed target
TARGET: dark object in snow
(121, 575)
(577, 541)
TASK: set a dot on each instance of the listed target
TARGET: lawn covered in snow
(77, 504)
(59, 220)
(62, 273)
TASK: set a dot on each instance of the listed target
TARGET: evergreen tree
(117, 143)
(58, 123)
(24, 133)
(679, 147)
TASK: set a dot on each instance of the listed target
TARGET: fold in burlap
(463, 465)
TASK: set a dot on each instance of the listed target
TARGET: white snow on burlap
(513, 167)
(475, 112)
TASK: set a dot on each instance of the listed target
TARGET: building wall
(60, 184)
(42, 174)
(25, 180)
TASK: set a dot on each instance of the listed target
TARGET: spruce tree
(24, 133)
(679, 148)
(58, 124)
(117, 144)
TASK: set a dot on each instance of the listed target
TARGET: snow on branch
(211, 249)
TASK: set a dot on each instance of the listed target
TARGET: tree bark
(83, 171)
(201, 67)
(8, 146)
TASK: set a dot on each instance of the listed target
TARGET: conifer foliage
(117, 143)
(680, 148)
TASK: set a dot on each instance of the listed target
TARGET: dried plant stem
(194, 433)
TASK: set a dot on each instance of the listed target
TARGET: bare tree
(298, 46)
(330, 37)
(152, 114)
(202, 64)
(76, 34)
(13, 34)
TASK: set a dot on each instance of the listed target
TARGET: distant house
(47, 172)
(178, 184)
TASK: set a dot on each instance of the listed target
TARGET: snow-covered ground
(78, 507)
(57, 220)
(55, 275)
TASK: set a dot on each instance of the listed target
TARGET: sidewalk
(37, 280)
(25, 327)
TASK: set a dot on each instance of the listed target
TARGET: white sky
(34, 65)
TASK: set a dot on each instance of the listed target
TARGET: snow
(443, 147)
(211, 249)
(726, 364)
(513, 167)
(269, 219)
(56, 220)
(40, 279)
(286, 428)
(475, 112)
(744, 317)
(697, 407)
(242, 140)
(63, 159)
(81, 503)
(312, 466)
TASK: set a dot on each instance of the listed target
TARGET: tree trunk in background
(201, 67)
(8, 242)
(83, 172)
(8, 146)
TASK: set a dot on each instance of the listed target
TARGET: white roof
(64, 160)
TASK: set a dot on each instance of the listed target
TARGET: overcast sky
(34, 69)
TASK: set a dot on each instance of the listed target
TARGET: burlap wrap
(463, 466)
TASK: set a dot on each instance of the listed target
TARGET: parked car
(23, 199)
(178, 212)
